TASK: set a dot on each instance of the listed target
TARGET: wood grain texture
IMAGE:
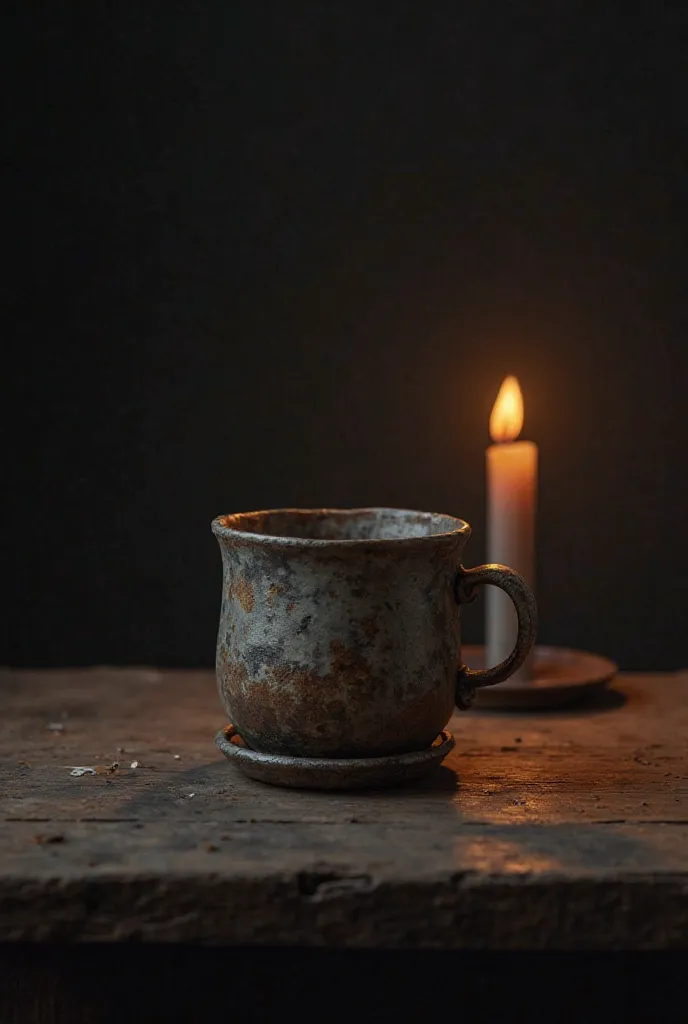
(554, 830)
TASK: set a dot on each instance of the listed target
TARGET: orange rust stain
(233, 676)
(291, 606)
(348, 662)
(273, 593)
(243, 591)
(293, 709)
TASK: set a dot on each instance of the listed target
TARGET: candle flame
(506, 418)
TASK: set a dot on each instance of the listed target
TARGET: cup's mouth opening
(327, 526)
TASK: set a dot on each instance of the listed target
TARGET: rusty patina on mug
(340, 628)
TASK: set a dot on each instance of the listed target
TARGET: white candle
(512, 468)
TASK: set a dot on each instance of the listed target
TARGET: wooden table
(549, 831)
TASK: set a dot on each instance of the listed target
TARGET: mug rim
(221, 530)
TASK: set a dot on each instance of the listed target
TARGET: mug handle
(513, 584)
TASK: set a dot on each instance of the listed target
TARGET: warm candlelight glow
(506, 418)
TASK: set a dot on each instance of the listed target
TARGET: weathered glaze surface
(339, 630)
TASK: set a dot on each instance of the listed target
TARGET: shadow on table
(607, 699)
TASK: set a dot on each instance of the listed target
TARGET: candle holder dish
(561, 676)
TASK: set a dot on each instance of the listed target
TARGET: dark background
(275, 254)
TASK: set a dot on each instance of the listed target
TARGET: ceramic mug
(340, 628)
